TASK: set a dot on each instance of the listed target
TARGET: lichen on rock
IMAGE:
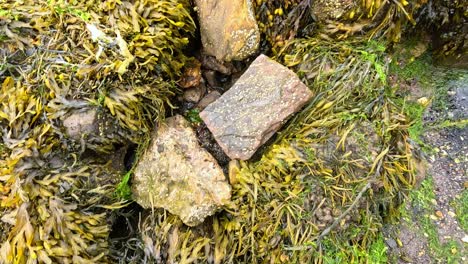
(228, 28)
(258, 104)
(176, 174)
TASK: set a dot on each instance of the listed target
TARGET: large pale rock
(175, 173)
(80, 124)
(258, 104)
(228, 28)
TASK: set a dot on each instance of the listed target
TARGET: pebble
(391, 243)
(465, 239)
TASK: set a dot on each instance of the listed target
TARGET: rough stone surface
(176, 174)
(208, 99)
(258, 104)
(331, 10)
(228, 28)
(192, 74)
(81, 123)
(195, 94)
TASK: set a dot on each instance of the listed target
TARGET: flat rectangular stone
(256, 106)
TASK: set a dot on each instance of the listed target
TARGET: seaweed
(319, 193)
(447, 21)
(283, 21)
(119, 59)
(323, 189)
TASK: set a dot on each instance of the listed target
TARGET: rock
(211, 63)
(176, 174)
(192, 74)
(330, 10)
(465, 239)
(228, 28)
(208, 99)
(210, 77)
(249, 113)
(194, 95)
(81, 123)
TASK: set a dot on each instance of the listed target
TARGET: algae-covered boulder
(228, 28)
(335, 9)
(175, 173)
(258, 104)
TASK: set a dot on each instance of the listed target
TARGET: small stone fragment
(228, 28)
(210, 77)
(81, 123)
(175, 173)
(208, 99)
(192, 95)
(195, 94)
(192, 74)
(257, 105)
(439, 214)
(391, 243)
(211, 63)
(465, 239)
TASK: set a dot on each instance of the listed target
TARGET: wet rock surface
(192, 74)
(208, 99)
(81, 123)
(195, 94)
(228, 28)
(257, 105)
(176, 174)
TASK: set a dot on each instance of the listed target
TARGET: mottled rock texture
(331, 9)
(208, 99)
(258, 104)
(176, 174)
(80, 124)
(228, 28)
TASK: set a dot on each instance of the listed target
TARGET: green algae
(60, 57)
(318, 194)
